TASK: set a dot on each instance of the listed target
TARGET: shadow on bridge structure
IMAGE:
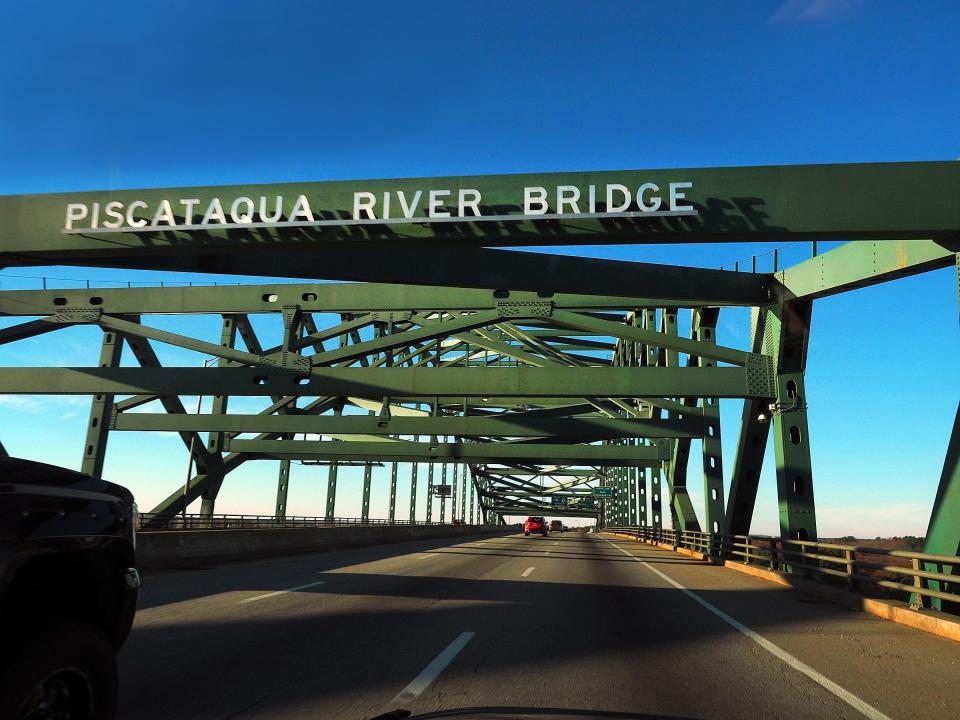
(514, 382)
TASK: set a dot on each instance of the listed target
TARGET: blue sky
(126, 95)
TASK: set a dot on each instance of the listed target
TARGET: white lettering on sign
(428, 205)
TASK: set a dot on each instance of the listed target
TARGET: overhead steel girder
(377, 383)
(599, 455)
(862, 201)
(650, 337)
(470, 268)
(856, 265)
(542, 510)
(503, 425)
(354, 298)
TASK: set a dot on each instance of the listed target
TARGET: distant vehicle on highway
(68, 591)
(536, 525)
(556, 525)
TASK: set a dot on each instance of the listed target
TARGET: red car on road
(536, 525)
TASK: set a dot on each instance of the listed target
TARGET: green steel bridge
(529, 379)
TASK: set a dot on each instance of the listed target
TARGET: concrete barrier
(168, 549)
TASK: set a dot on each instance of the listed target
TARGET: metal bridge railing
(150, 521)
(902, 573)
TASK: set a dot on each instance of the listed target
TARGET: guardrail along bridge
(513, 383)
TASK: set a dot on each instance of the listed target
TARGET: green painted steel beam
(755, 204)
(283, 488)
(856, 265)
(752, 442)
(503, 425)
(95, 446)
(355, 298)
(789, 328)
(650, 337)
(474, 268)
(522, 510)
(714, 521)
(447, 453)
(377, 383)
(943, 531)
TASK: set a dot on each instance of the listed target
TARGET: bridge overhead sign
(773, 203)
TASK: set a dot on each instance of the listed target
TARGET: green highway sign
(147, 227)
(559, 500)
(604, 493)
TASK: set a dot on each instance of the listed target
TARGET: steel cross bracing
(519, 388)
(538, 377)
(540, 398)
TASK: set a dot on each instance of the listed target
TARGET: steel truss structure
(524, 380)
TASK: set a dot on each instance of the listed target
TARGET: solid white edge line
(280, 592)
(797, 664)
(527, 572)
(430, 673)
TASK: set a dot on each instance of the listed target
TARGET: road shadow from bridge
(192, 582)
(366, 635)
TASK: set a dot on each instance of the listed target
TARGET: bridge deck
(594, 625)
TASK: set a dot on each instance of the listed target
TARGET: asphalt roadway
(574, 621)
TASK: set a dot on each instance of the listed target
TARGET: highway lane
(569, 621)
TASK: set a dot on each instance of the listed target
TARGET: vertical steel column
(943, 531)
(625, 493)
(643, 480)
(228, 339)
(798, 518)
(98, 426)
(215, 473)
(334, 468)
(283, 481)
(652, 351)
(393, 492)
(367, 482)
(602, 517)
(453, 503)
(473, 493)
(705, 325)
(443, 499)
(332, 479)
(463, 496)
(413, 486)
(632, 520)
(430, 491)
(656, 503)
(675, 471)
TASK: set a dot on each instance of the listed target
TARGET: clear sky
(126, 95)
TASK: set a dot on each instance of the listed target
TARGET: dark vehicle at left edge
(68, 591)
